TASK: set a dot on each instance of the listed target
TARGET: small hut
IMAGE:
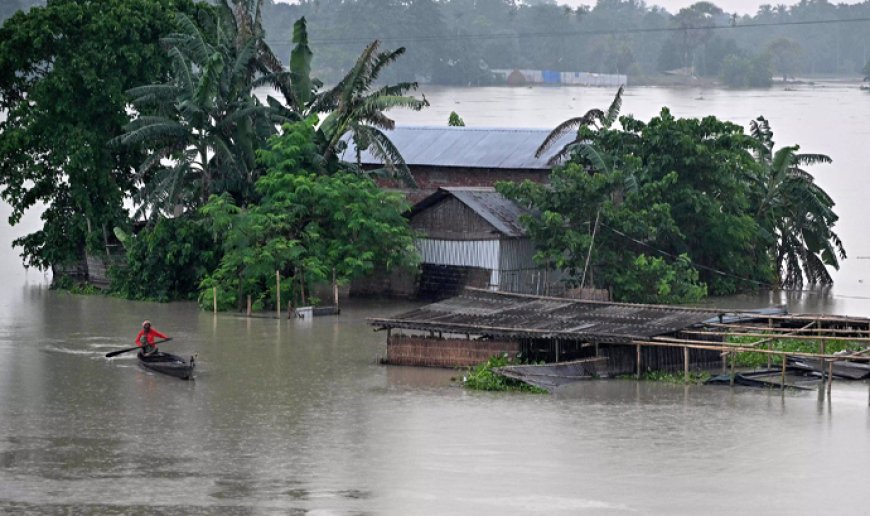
(474, 237)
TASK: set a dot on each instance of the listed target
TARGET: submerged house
(463, 156)
(474, 237)
(470, 328)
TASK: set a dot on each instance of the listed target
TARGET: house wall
(434, 352)
(450, 219)
(429, 179)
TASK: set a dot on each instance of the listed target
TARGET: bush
(483, 378)
(167, 261)
(652, 280)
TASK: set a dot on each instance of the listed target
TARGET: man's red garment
(149, 336)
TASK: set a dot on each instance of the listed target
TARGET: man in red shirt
(145, 338)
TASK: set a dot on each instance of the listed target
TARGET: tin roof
(523, 316)
(499, 211)
(466, 147)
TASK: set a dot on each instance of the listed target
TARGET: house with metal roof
(464, 156)
(473, 236)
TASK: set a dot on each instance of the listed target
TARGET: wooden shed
(469, 328)
(474, 237)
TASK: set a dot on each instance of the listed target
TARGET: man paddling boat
(145, 339)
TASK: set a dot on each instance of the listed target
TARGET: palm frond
(613, 111)
(567, 126)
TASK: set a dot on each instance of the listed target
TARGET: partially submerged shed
(473, 237)
(469, 328)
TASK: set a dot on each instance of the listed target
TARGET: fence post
(278, 294)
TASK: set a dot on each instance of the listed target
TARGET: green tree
(594, 118)
(64, 69)
(454, 120)
(354, 109)
(204, 126)
(666, 188)
(785, 57)
(308, 226)
(796, 213)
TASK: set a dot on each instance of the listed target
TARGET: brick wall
(433, 352)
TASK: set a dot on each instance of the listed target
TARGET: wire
(557, 34)
(696, 265)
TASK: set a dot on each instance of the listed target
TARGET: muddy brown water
(297, 417)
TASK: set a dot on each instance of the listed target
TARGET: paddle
(122, 351)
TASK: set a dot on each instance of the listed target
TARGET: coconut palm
(795, 212)
(594, 118)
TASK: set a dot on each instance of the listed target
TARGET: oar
(122, 351)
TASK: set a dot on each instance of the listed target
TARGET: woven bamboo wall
(432, 352)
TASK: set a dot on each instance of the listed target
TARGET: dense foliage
(310, 226)
(460, 41)
(64, 69)
(166, 261)
(668, 210)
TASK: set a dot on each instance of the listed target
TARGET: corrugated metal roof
(502, 213)
(522, 316)
(466, 147)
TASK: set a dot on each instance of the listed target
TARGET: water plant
(482, 377)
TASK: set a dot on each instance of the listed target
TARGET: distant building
(464, 156)
(516, 77)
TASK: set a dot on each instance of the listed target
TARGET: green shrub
(483, 378)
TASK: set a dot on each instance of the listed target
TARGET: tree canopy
(673, 208)
(64, 69)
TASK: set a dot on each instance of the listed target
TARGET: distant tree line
(459, 41)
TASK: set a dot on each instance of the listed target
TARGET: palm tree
(204, 125)
(795, 212)
(354, 106)
(594, 118)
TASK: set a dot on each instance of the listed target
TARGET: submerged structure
(598, 338)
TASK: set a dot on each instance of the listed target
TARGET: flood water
(297, 417)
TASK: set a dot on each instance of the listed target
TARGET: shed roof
(466, 147)
(499, 211)
(523, 316)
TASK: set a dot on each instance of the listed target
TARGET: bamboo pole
(334, 289)
(249, 305)
(830, 377)
(214, 299)
(732, 368)
(278, 294)
(806, 329)
(638, 361)
(686, 363)
(766, 336)
(782, 386)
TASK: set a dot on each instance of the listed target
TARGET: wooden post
(686, 363)
(830, 377)
(278, 294)
(638, 361)
(784, 361)
(769, 343)
(214, 299)
(732, 368)
(334, 289)
(249, 305)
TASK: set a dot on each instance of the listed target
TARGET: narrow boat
(170, 364)
(552, 375)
